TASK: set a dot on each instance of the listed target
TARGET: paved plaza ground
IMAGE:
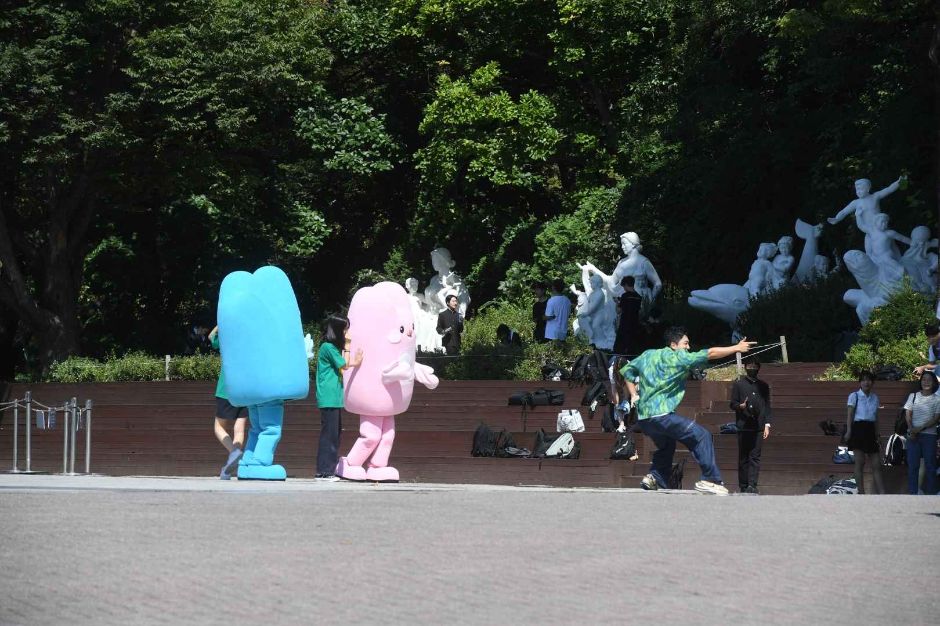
(96, 550)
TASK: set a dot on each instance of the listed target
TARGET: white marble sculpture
(884, 251)
(783, 263)
(648, 284)
(866, 206)
(727, 301)
(442, 284)
(808, 268)
(761, 276)
(426, 336)
(875, 290)
(820, 266)
(919, 262)
(597, 311)
(445, 282)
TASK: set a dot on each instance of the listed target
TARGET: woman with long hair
(331, 361)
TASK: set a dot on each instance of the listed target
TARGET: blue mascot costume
(264, 360)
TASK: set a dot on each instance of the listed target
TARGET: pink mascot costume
(381, 324)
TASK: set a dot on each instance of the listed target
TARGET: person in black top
(750, 401)
(450, 325)
(628, 329)
(538, 310)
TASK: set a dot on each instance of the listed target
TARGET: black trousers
(749, 446)
(328, 448)
(451, 350)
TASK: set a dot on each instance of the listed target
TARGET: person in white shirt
(861, 432)
(557, 310)
(923, 412)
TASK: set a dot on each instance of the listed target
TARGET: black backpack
(543, 442)
(822, 485)
(590, 368)
(895, 453)
(624, 448)
(544, 397)
(551, 371)
(579, 369)
(521, 398)
(596, 392)
(675, 476)
(596, 369)
(900, 422)
(891, 372)
(485, 441)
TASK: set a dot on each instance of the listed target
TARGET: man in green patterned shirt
(662, 374)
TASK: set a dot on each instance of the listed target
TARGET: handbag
(570, 421)
(843, 456)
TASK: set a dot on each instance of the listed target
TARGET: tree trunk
(46, 303)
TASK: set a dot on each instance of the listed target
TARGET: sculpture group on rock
(597, 304)
(879, 270)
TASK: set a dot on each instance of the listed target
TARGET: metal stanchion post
(29, 431)
(66, 427)
(74, 407)
(16, 437)
(783, 349)
(88, 436)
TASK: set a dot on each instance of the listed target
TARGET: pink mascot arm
(425, 376)
(397, 371)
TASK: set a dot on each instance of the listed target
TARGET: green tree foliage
(904, 315)
(344, 140)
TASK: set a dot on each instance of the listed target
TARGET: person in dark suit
(450, 325)
(628, 329)
(750, 401)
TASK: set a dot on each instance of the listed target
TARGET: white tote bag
(569, 421)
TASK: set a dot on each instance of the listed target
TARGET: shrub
(133, 366)
(904, 315)
(860, 358)
(811, 316)
(483, 357)
(75, 369)
(905, 353)
(538, 354)
(196, 367)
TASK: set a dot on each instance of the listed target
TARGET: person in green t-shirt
(662, 374)
(227, 415)
(331, 361)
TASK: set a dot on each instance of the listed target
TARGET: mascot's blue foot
(262, 472)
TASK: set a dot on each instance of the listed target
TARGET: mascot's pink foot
(350, 472)
(382, 474)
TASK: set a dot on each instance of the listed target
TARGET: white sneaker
(709, 487)
(332, 478)
(649, 483)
